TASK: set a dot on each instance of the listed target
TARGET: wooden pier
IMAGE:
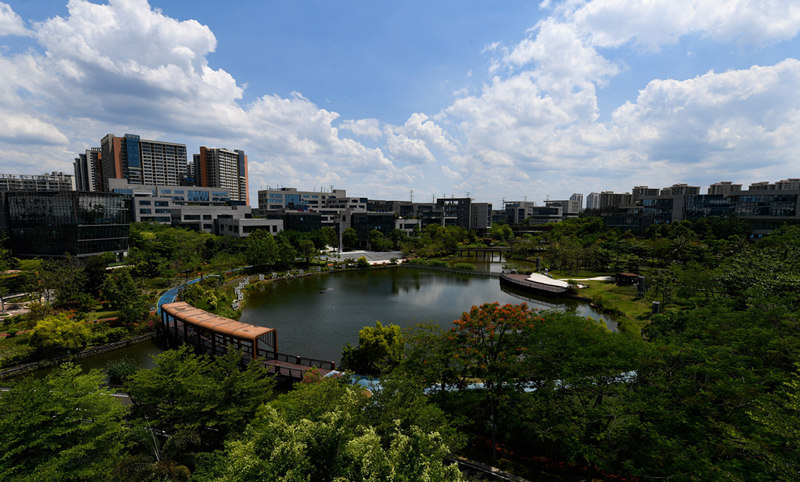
(212, 334)
(522, 282)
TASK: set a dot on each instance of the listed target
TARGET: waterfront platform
(536, 283)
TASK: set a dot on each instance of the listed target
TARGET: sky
(495, 100)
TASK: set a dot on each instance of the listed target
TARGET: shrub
(58, 333)
(465, 266)
(119, 371)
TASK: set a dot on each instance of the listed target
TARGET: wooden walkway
(212, 334)
(521, 281)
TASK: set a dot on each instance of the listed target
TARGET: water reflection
(316, 316)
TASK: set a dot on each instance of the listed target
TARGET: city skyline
(513, 100)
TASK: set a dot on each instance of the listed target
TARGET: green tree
(397, 236)
(262, 250)
(56, 334)
(490, 348)
(350, 238)
(67, 280)
(429, 355)
(286, 252)
(378, 351)
(318, 432)
(124, 294)
(307, 249)
(62, 427)
(377, 241)
(777, 417)
(209, 396)
(94, 269)
(329, 236)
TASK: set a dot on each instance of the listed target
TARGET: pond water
(317, 315)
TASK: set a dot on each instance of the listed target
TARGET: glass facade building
(42, 224)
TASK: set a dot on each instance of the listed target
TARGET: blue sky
(498, 99)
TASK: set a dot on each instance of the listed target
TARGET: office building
(611, 200)
(291, 198)
(193, 207)
(243, 227)
(723, 188)
(222, 168)
(680, 190)
(576, 201)
(88, 171)
(141, 161)
(55, 223)
(55, 181)
(640, 192)
(593, 200)
(455, 211)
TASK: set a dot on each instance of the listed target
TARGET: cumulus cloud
(408, 150)
(534, 127)
(420, 126)
(536, 123)
(369, 128)
(21, 128)
(724, 120)
(611, 23)
(10, 22)
(127, 66)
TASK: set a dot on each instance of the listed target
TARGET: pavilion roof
(209, 321)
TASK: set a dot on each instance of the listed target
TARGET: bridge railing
(297, 360)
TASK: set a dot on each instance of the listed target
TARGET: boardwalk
(522, 281)
(212, 334)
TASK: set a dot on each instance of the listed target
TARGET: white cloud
(10, 22)
(407, 150)
(611, 23)
(22, 128)
(722, 120)
(534, 128)
(420, 126)
(129, 67)
(369, 128)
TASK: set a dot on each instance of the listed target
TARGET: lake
(316, 316)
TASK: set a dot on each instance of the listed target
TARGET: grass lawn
(623, 299)
(98, 315)
(581, 273)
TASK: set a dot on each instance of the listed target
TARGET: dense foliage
(708, 389)
(63, 427)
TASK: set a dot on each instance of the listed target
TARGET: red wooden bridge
(212, 334)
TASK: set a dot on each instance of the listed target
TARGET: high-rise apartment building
(55, 181)
(593, 200)
(223, 168)
(88, 171)
(576, 202)
(724, 188)
(142, 161)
